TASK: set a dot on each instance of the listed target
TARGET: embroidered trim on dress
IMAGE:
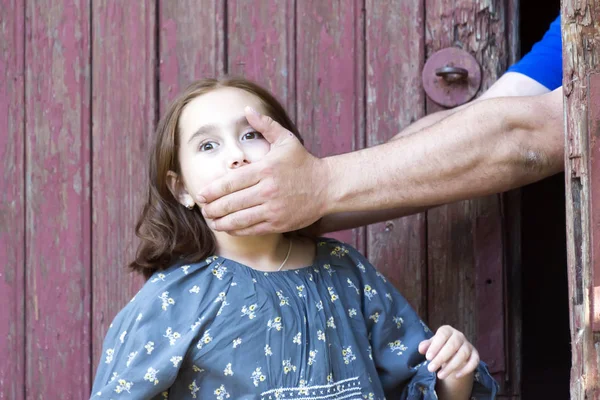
(345, 389)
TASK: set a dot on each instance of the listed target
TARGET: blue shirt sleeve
(544, 62)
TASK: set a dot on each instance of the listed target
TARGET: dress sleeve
(395, 331)
(148, 341)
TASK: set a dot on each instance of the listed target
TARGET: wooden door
(581, 89)
(82, 85)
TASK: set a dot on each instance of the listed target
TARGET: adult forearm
(492, 146)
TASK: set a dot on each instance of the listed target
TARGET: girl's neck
(265, 253)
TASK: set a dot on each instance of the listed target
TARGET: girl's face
(215, 138)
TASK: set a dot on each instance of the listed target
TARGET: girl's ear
(179, 191)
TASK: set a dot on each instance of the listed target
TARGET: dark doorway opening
(546, 351)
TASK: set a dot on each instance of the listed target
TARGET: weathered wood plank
(581, 88)
(395, 99)
(260, 46)
(511, 204)
(192, 44)
(457, 245)
(12, 200)
(123, 114)
(330, 80)
(57, 137)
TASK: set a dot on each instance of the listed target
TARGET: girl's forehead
(218, 107)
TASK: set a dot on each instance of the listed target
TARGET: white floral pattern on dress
(166, 300)
(151, 376)
(172, 336)
(398, 346)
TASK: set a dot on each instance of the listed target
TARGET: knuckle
(455, 343)
(464, 353)
(445, 329)
(269, 189)
(227, 187)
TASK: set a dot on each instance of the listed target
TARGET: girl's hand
(450, 350)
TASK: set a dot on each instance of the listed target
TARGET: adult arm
(511, 84)
(489, 147)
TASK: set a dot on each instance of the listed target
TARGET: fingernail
(201, 199)
(252, 111)
(428, 356)
(432, 367)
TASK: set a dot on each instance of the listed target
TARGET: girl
(269, 317)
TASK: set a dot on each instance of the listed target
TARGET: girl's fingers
(438, 341)
(470, 365)
(451, 346)
(424, 345)
(458, 360)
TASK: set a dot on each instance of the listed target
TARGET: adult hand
(284, 191)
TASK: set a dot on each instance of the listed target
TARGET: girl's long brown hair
(169, 232)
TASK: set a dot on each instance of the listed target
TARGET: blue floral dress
(220, 330)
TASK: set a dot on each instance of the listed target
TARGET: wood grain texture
(123, 111)
(12, 199)
(581, 88)
(191, 46)
(330, 81)
(260, 46)
(57, 137)
(395, 99)
(511, 206)
(465, 250)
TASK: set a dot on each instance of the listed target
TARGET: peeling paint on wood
(58, 228)
(459, 245)
(329, 55)
(261, 46)
(12, 200)
(581, 77)
(395, 53)
(123, 111)
(192, 44)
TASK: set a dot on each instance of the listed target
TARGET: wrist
(329, 192)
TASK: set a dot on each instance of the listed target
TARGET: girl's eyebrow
(205, 129)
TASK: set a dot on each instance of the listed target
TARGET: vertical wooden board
(330, 80)
(489, 285)
(12, 200)
(123, 115)
(260, 46)
(191, 44)
(395, 99)
(511, 204)
(454, 246)
(580, 24)
(57, 137)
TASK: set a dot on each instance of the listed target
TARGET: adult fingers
(240, 219)
(238, 179)
(270, 129)
(233, 202)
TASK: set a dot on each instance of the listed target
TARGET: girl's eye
(252, 135)
(208, 146)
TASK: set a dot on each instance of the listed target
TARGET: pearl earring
(190, 205)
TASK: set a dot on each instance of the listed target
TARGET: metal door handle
(452, 74)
